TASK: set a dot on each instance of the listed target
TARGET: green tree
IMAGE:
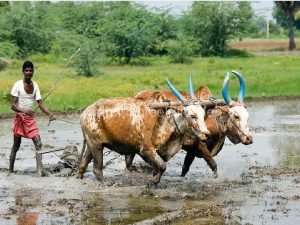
(180, 49)
(212, 24)
(284, 13)
(128, 30)
(24, 25)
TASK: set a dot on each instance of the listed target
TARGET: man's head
(27, 64)
(28, 69)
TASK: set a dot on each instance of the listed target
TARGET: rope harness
(189, 121)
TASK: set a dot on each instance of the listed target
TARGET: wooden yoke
(161, 105)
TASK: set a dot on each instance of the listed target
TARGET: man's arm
(43, 107)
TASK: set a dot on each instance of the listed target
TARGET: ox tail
(82, 152)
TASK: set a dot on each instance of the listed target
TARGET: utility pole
(267, 31)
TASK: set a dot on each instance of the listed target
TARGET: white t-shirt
(25, 100)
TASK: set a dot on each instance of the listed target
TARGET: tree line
(127, 32)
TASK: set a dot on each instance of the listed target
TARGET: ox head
(192, 116)
(237, 125)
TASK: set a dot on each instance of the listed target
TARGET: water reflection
(28, 218)
(287, 150)
(278, 126)
(127, 209)
(25, 200)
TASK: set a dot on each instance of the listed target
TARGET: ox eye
(193, 116)
(236, 117)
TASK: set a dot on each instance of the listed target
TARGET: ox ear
(203, 93)
(175, 92)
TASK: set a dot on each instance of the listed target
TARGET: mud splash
(257, 184)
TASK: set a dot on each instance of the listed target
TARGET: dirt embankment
(263, 44)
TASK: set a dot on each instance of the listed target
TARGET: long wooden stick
(60, 76)
(50, 150)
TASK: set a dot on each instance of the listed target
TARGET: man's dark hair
(27, 64)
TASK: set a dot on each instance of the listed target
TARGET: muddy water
(257, 184)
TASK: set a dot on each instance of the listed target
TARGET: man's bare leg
(13, 153)
(39, 164)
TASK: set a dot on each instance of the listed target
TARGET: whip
(60, 76)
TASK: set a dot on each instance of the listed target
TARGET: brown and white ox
(229, 119)
(130, 126)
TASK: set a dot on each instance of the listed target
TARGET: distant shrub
(179, 50)
(233, 52)
(9, 50)
(4, 63)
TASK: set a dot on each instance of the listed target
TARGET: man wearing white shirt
(24, 93)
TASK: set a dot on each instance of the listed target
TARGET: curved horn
(225, 89)
(242, 86)
(175, 92)
(191, 89)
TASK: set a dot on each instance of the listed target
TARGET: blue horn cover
(242, 86)
(191, 89)
(225, 89)
(175, 92)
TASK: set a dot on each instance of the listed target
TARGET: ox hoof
(132, 168)
(152, 184)
(183, 174)
(79, 176)
(215, 174)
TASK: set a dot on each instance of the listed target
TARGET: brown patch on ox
(203, 93)
(211, 124)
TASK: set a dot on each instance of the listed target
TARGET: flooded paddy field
(257, 184)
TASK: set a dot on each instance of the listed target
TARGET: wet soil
(257, 184)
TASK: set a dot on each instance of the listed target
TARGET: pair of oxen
(155, 126)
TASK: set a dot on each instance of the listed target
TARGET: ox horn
(191, 89)
(225, 94)
(242, 86)
(175, 92)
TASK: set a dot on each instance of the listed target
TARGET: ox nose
(249, 140)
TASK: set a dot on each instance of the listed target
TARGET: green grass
(266, 76)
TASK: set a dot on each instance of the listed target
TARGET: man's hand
(52, 117)
(28, 112)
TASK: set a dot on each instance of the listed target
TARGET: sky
(263, 8)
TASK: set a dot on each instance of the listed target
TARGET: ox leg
(158, 162)
(188, 160)
(97, 153)
(208, 158)
(85, 160)
(129, 162)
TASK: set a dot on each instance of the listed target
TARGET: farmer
(24, 93)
